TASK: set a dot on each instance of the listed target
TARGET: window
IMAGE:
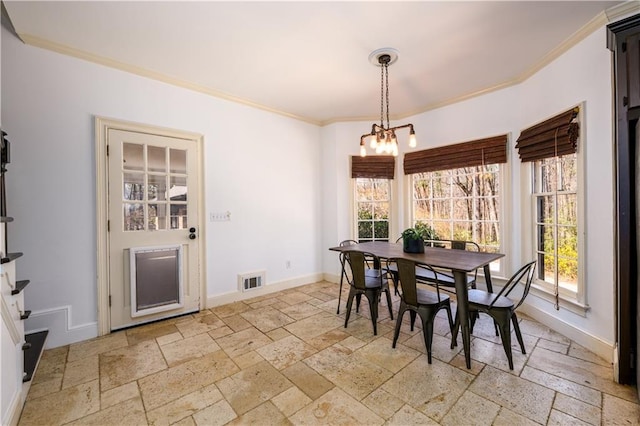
(372, 205)
(553, 223)
(461, 204)
(555, 199)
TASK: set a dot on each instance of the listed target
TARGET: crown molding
(143, 72)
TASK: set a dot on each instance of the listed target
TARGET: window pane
(381, 211)
(133, 187)
(157, 217)
(568, 173)
(156, 159)
(422, 210)
(133, 217)
(178, 161)
(441, 209)
(463, 209)
(132, 156)
(381, 229)
(544, 209)
(567, 209)
(178, 189)
(380, 191)
(546, 268)
(462, 231)
(421, 189)
(365, 230)
(178, 216)
(443, 229)
(157, 187)
(365, 211)
(568, 242)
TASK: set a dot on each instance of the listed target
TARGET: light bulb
(374, 141)
(363, 151)
(380, 148)
(412, 139)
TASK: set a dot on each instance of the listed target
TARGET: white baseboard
(12, 415)
(61, 331)
(332, 278)
(236, 296)
(596, 345)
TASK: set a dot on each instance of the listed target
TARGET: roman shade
(374, 167)
(479, 152)
(553, 137)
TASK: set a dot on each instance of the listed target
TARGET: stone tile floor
(286, 358)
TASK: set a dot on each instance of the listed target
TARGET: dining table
(460, 262)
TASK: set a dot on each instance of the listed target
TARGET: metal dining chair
(421, 301)
(501, 308)
(369, 271)
(361, 284)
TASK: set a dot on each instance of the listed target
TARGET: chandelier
(383, 139)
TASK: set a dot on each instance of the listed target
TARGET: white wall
(583, 74)
(260, 166)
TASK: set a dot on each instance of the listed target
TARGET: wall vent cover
(251, 280)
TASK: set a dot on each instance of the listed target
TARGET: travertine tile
(294, 298)
(583, 372)
(130, 363)
(327, 339)
(440, 346)
(407, 416)
(580, 352)
(117, 395)
(220, 332)
(277, 334)
(507, 417)
(175, 382)
(558, 418)
(150, 332)
(97, 346)
(578, 409)
(471, 409)
(243, 341)
(493, 354)
(561, 348)
(188, 349)
(380, 352)
(300, 311)
(286, 352)
(356, 376)
(383, 403)
(185, 406)
(51, 366)
(44, 388)
(291, 400)
(336, 407)
(62, 407)
(129, 412)
(617, 411)
(314, 326)
(80, 371)
(169, 338)
(566, 387)
(251, 387)
(429, 388)
(248, 359)
(258, 415)
(218, 414)
(199, 325)
(237, 323)
(230, 309)
(308, 380)
(266, 319)
(521, 396)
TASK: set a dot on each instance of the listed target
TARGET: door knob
(192, 229)
(192, 236)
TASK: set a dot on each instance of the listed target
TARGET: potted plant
(413, 238)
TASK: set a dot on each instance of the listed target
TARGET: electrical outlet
(220, 216)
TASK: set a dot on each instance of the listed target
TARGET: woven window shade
(467, 154)
(375, 167)
(554, 137)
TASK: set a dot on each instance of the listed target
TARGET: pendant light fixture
(383, 139)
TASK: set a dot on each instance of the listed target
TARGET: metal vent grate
(251, 281)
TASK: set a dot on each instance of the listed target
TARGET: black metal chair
(360, 283)
(424, 302)
(501, 308)
(445, 279)
(369, 271)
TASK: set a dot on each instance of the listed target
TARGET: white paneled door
(153, 230)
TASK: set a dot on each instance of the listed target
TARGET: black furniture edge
(32, 354)
(20, 285)
(10, 257)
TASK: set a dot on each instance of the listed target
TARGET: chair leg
(358, 297)
(505, 335)
(396, 333)
(516, 328)
(389, 305)
(373, 309)
(447, 307)
(349, 306)
(412, 314)
(427, 330)
(340, 292)
(473, 315)
(454, 332)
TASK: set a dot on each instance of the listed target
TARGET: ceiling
(310, 59)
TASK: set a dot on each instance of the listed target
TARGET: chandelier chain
(382, 96)
(386, 73)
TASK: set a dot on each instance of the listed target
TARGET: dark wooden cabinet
(632, 53)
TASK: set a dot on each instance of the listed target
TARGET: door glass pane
(133, 217)
(178, 160)
(157, 217)
(156, 159)
(178, 188)
(132, 156)
(178, 216)
(157, 187)
(133, 188)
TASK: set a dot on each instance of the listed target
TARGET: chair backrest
(526, 272)
(407, 278)
(454, 244)
(346, 243)
(356, 261)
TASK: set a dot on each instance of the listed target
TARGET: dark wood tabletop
(456, 260)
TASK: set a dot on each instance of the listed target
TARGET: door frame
(102, 127)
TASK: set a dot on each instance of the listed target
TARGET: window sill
(570, 304)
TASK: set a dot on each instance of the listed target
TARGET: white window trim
(505, 214)
(543, 290)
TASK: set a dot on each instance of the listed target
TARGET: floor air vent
(251, 281)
